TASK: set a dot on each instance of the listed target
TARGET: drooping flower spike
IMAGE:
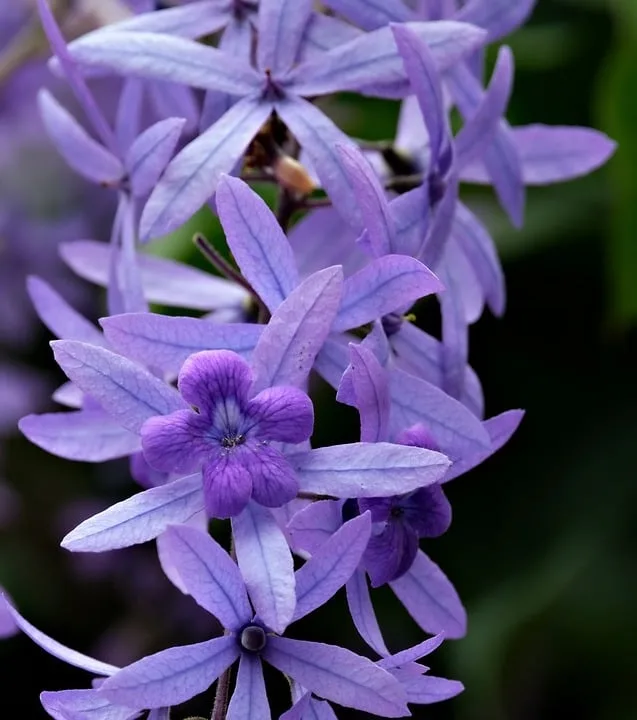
(216, 412)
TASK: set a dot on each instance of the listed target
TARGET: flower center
(232, 441)
(253, 638)
(397, 511)
(391, 323)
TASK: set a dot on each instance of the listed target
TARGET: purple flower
(229, 434)
(403, 520)
(175, 675)
(368, 63)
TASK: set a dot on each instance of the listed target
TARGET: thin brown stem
(220, 708)
(226, 269)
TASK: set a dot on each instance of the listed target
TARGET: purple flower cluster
(215, 412)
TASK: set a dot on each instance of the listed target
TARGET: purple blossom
(403, 520)
(368, 63)
(175, 675)
(229, 435)
(232, 440)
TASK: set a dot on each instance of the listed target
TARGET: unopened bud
(292, 175)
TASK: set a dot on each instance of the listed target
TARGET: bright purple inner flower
(227, 434)
(401, 521)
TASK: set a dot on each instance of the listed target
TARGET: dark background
(543, 546)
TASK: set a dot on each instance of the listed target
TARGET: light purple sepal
(85, 435)
(296, 331)
(209, 575)
(331, 566)
(165, 281)
(53, 647)
(171, 676)
(127, 392)
(367, 469)
(84, 705)
(165, 342)
(140, 518)
(149, 154)
(431, 599)
(265, 562)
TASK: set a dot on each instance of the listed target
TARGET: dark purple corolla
(403, 520)
(228, 436)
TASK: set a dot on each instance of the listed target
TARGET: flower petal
(339, 675)
(171, 676)
(297, 330)
(428, 689)
(257, 242)
(61, 319)
(140, 518)
(332, 242)
(371, 199)
(362, 611)
(160, 56)
(483, 124)
(86, 704)
(249, 699)
(324, 32)
(227, 485)
(478, 246)
(498, 17)
(370, 15)
(85, 435)
(86, 156)
(127, 392)
(414, 653)
(209, 575)
(424, 79)
(390, 553)
(372, 64)
(314, 525)
(367, 469)
(281, 26)
(149, 154)
(457, 430)
(553, 154)
(192, 176)
(190, 21)
(210, 377)
(176, 443)
(500, 429)
(165, 342)
(266, 564)
(165, 281)
(371, 389)
(53, 647)
(331, 566)
(501, 156)
(384, 286)
(74, 77)
(431, 599)
(281, 413)
(420, 355)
